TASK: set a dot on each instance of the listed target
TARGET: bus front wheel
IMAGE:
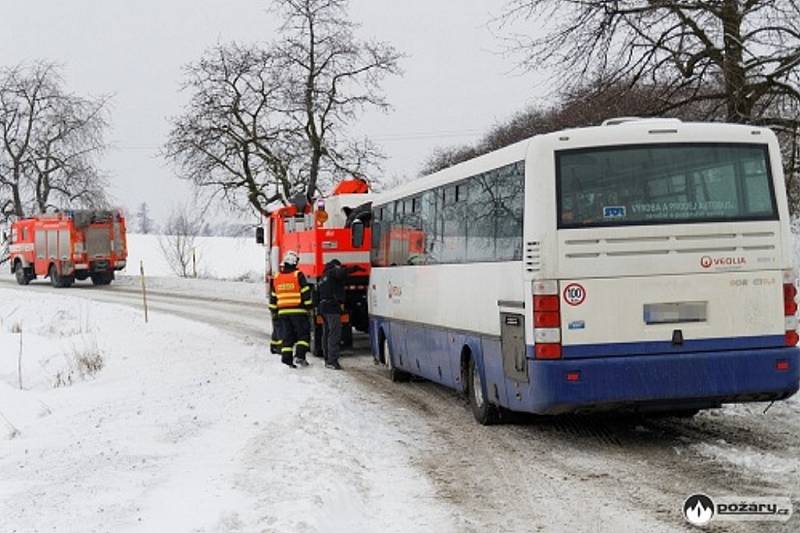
(485, 413)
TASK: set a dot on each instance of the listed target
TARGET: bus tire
(395, 374)
(20, 274)
(484, 412)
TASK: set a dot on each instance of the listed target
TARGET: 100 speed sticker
(574, 294)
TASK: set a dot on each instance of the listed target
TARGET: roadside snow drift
(175, 426)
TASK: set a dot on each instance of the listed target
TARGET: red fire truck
(337, 227)
(68, 245)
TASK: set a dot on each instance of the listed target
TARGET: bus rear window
(664, 184)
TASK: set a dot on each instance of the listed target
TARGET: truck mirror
(358, 234)
(5, 237)
(259, 235)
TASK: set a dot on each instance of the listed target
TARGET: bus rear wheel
(484, 412)
(395, 374)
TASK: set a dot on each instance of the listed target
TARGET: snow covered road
(222, 438)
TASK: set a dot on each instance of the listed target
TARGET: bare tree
(267, 123)
(331, 78)
(145, 223)
(732, 60)
(232, 138)
(50, 143)
(178, 240)
(742, 57)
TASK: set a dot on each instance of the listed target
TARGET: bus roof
(614, 131)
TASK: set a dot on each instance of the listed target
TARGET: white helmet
(291, 258)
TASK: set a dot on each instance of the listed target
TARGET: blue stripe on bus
(688, 380)
(616, 349)
(740, 372)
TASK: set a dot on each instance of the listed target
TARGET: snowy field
(176, 426)
(230, 258)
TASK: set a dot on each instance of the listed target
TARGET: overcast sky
(455, 85)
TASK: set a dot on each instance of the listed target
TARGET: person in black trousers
(290, 303)
(331, 303)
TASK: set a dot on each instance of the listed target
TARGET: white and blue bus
(641, 264)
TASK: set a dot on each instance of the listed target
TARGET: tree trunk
(18, 210)
(739, 108)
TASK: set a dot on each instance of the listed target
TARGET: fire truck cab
(336, 227)
(67, 246)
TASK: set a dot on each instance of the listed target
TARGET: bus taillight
(546, 320)
(790, 308)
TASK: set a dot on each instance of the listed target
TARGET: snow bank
(186, 428)
(231, 258)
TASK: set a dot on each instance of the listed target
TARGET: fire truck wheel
(101, 278)
(21, 275)
(55, 279)
(59, 281)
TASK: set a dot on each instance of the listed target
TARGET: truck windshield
(664, 184)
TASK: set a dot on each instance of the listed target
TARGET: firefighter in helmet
(290, 303)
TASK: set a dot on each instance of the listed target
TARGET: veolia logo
(707, 261)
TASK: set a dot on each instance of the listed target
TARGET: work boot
(333, 366)
(300, 361)
(289, 364)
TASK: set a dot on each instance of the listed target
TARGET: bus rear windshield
(664, 184)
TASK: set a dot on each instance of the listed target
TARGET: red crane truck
(67, 246)
(337, 227)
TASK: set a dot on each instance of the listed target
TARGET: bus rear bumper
(658, 382)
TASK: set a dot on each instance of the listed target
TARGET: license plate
(675, 313)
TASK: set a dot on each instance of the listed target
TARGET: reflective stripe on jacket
(288, 290)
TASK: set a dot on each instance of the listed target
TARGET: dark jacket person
(331, 303)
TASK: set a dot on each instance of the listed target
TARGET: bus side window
(376, 258)
(455, 225)
(431, 243)
(509, 207)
